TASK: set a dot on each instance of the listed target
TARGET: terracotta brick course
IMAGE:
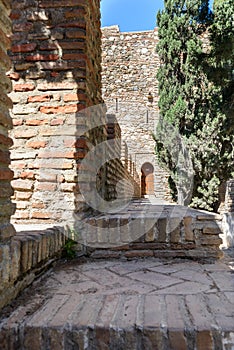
(24, 87)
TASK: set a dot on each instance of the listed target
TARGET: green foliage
(195, 88)
(69, 249)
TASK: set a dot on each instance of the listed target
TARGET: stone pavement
(118, 305)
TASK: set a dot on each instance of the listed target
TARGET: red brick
(76, 13)
(17, 122)
(71, 45)
(69, 142)
(70, 97)
(75, 34)
(22, 27)
(48, 46)
(27, 175)
(25, 134)
(21, 214)
(22, 184)
(39, 98)
(76, 56)
(17, 164)
(38, 57)
(13, 76)
(23, 195)
(61, 3)
(35, 122)
(21, 205)
(24, 87)
(55, 154)
(37, 144)
(41, 215)
(38, 205)
(74, 97)
(57, 122)
(24, 47)
(45, 186)
(57, 86)
(54, 164)
(74, 24)
(68, 187)
(55, 74)
(61, 109)
(15, 15)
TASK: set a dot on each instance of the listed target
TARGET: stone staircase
(150, 228)
(149, 278)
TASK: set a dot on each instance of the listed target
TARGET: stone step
(144, 229)
(140, 304)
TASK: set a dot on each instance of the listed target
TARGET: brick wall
(6, 207)
(122, 181)
(129, 68)
(55, 74)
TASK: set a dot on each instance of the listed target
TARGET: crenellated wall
(129, 67)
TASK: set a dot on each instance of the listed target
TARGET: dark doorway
(147, 179)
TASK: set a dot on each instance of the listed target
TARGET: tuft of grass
(69, 249)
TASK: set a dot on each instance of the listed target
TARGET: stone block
(162, 230)
(188, 229)
(210, 240)
(212, 230)
(7, 231)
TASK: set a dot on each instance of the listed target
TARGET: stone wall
(228, 215)
(122, 182)
(129, 68)
(145, 230)
(55, 74)
(6, 207)
(28, 254)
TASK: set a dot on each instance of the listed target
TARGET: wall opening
(147, 179)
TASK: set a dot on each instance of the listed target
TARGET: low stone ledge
(26, 256)
(197, 235)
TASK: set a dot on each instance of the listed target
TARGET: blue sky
(130, 15)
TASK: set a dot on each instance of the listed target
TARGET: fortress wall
(129, 68)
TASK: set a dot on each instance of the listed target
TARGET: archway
(147, 179)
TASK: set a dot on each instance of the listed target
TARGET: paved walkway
(138, 304)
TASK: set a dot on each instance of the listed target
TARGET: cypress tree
(191, 101)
